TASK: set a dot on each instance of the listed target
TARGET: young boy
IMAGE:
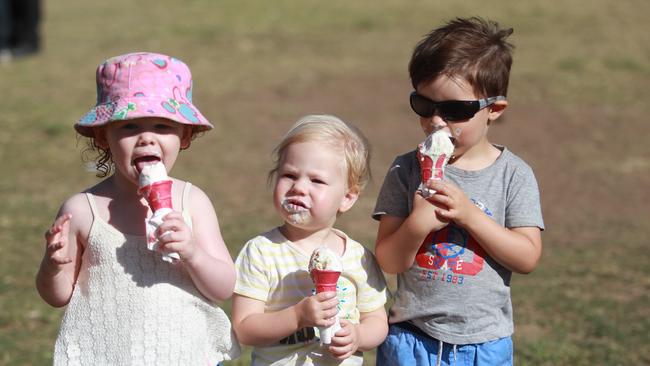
(322, 166)
(454, 253)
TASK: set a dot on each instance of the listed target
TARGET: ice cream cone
(433, 155)
(325, 280)
(156, 187)
(158, 194)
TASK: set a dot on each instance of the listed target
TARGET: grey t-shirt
(454, 291)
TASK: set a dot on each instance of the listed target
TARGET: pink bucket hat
(139, 85)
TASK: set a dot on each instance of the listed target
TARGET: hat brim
(140, 107)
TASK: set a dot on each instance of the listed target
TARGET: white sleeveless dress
(129, 307)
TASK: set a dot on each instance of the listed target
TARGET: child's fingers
(53, 253)
(324, 296)
(61, 224)
(342, 351)
(174, 215)
(173, 224)
(61, 261)
(345, 331)
(330, 314)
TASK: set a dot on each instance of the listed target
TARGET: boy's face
(468, 134)
(137, 142)
(311, 186)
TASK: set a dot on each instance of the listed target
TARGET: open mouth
(141, 161)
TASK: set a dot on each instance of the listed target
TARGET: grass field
(577, 116)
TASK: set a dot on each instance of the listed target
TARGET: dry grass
(577, 116)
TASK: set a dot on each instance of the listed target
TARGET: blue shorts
(406, 347)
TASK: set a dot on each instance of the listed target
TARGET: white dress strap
(185, 205)
(91, 203)
(186, 195)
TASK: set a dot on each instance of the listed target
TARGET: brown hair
(470, 48)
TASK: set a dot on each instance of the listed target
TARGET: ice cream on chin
(156, 187)
(297, 214)
(325, 268)
(434, 154)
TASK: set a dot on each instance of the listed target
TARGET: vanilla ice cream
(152, 173)
(324, 259)
(434, 154)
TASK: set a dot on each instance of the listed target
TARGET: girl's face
(311, 186)
(468, 134)
(137, 142)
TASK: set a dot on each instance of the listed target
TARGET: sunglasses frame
(470, 106)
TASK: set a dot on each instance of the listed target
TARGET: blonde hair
(337, 134)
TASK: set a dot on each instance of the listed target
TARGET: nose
(145, 138)
(432, 124)
(299, 186)
(437, 121)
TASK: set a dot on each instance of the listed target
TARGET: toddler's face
(137, 142)
(466, 133)
(311, 186)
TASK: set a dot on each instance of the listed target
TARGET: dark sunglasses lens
(422, 106)
(458, 110)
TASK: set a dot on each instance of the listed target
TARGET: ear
(349, 199)
(186, 139)
(497, 109)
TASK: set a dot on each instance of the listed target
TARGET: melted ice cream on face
(324, 259)
(152, 173)
(297, 214)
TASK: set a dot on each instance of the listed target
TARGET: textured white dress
(129, 307)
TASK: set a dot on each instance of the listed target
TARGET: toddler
(454, 253)
(321, 168)
(125, 305)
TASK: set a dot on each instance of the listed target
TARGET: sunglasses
(450, 110)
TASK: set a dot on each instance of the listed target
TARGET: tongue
(141, 162)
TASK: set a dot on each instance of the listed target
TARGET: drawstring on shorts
(440, 348)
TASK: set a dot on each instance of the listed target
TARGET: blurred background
(577, 115)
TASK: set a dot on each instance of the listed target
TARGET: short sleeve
(394, 197)
(371, 293)
(252, 274)
(523, 206)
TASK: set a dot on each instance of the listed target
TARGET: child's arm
(517, 249)
(398, 238)
(59, 268)
(202, 249)
(365, 336)
(255, 327)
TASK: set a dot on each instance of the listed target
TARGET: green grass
(578, 116)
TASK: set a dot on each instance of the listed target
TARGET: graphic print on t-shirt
(451, 250)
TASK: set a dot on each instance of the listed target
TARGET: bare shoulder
(76, 205)
(199, 200)
(81, 215)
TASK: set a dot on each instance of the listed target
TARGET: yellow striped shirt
(272, 269)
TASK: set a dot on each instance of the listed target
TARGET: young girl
(125, 304)
(322, 165)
